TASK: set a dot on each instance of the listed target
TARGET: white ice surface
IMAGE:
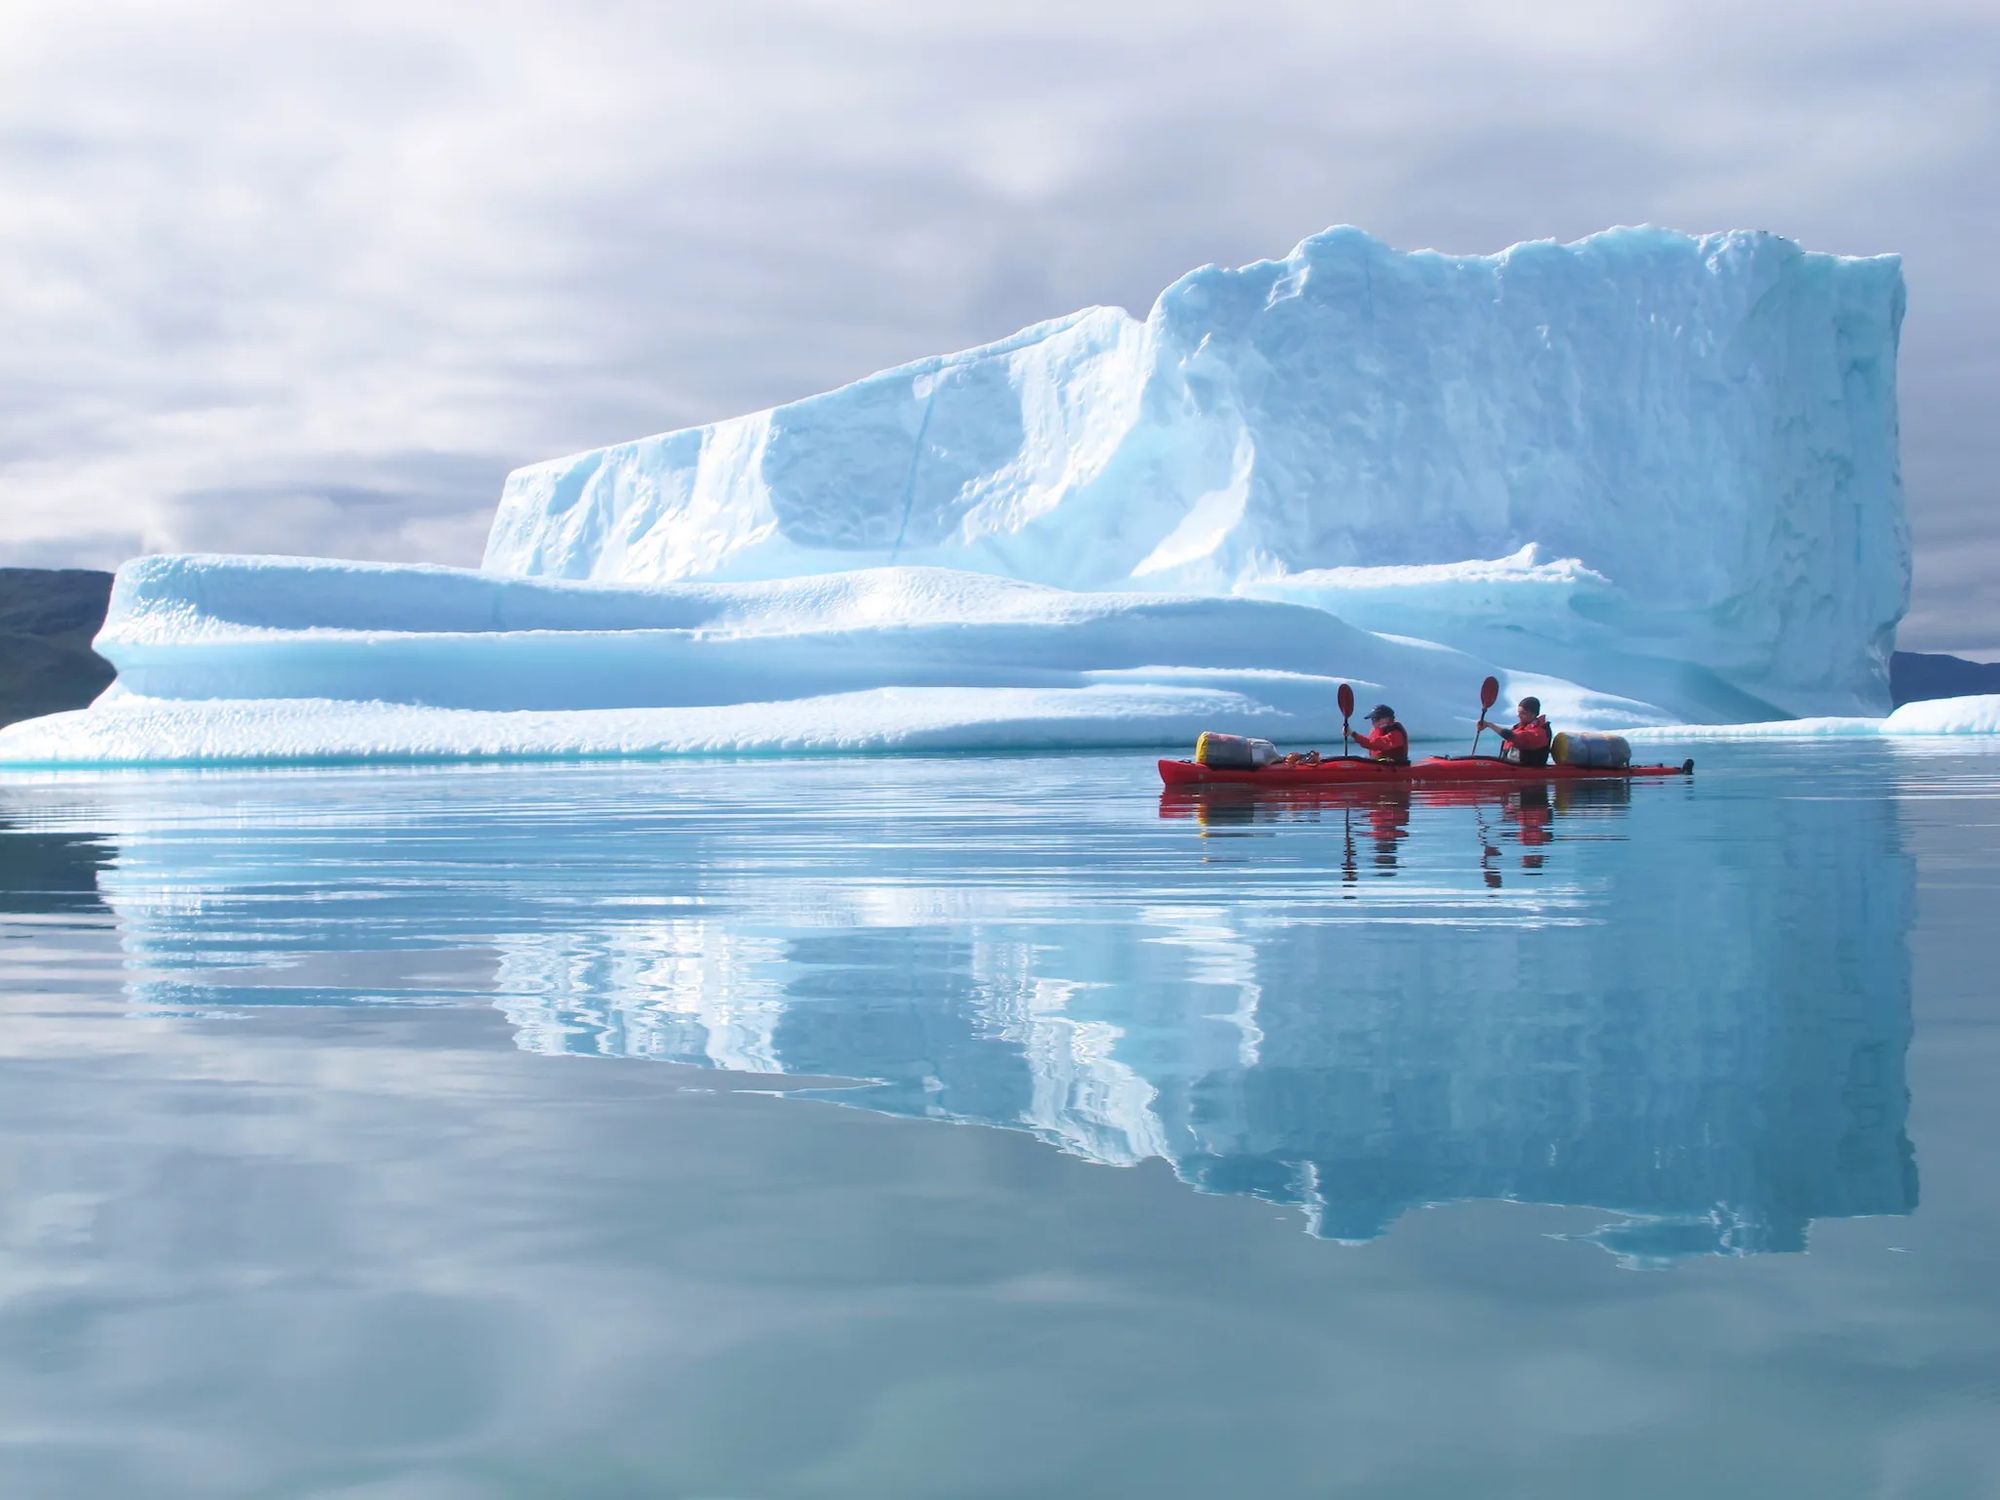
(1699, 434)
(262, 659)
(1979, 714)
(1976, 714)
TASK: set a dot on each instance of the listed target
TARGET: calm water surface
(996, 1127)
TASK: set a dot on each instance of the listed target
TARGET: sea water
(988, 1126)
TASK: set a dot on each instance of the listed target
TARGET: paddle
(1346, 713)
(1489, 694)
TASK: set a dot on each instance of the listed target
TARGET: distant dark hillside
(47, 617)
(1916, 675)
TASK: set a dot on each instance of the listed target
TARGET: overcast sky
(311, 279)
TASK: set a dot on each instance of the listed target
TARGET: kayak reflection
(1512, 826)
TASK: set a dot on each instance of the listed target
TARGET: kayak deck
(1436, 770)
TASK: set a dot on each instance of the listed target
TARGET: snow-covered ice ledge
(269, 660)
(1977, 714)
(261, 660)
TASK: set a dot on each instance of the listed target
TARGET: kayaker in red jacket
(1530, 738)
(1390, 742)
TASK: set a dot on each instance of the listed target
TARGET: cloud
(256, 256)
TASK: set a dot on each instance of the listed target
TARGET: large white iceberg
(1651, 478)
(1704, 428)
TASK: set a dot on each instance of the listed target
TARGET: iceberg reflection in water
(1688, 1003)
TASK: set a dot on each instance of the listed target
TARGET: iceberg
(1928, 718)
(226, 659)
(1702, 430)
(1647, 477)
(1977, 714)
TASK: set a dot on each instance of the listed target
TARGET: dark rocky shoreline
(47, 619)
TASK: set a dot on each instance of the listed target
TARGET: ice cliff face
(1684, 449)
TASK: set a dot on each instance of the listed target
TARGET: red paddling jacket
(1390, 743)
(1530, 741)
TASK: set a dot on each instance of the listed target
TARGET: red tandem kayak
(1437, 770)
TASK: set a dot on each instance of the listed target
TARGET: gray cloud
(256, 258)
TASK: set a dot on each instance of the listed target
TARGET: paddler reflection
(1527, 820)
(1515, 828)
(1372, 822)
(1532, 820)
(1388, 825)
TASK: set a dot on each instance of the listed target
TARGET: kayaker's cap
(1380, 711)
(1531, 705)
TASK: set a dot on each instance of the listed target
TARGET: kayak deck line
(1433, 771)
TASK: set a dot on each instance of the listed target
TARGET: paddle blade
(1489, 692)
(1346, 701)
